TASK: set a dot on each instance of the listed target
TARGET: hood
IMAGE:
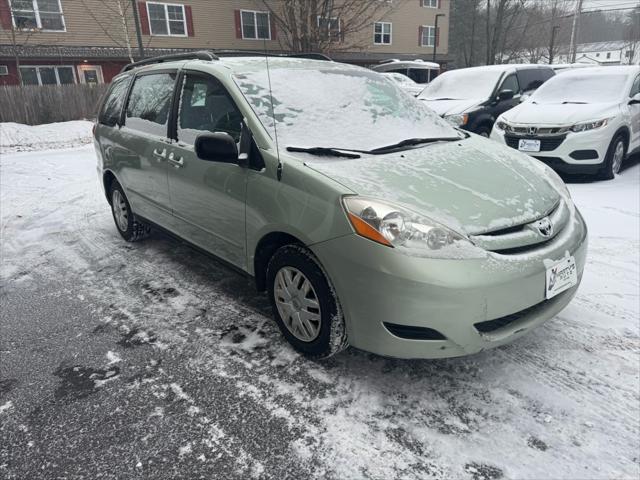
(472, 186)
(452, 107)
(558, 114)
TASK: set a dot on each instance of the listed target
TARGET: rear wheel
(129, 226)
(616, 153)
(304, 304)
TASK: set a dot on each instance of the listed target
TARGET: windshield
(583, 88)
(467, 83)
(339, 108)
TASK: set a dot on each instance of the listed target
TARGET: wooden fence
(33, 105)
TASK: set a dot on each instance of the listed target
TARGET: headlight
(457, 120)
(503, 126)
(583, 127)
(396, 227)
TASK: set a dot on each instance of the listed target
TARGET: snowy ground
(151, 360)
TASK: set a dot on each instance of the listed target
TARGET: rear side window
(112, 106)
(150, 103)
(532, 79)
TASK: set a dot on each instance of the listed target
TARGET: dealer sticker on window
(561, 276)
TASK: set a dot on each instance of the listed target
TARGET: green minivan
(369, 220)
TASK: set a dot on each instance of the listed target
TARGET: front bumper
(583, 152)
(376, 284)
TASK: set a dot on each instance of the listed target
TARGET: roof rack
(259, 53)
(199, 55)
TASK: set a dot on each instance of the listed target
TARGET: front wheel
(304, 304)
(615, 155)
(484, 131)
(128, 225)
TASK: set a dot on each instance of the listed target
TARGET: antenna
(273, 115)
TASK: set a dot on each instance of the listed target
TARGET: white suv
(585, 121)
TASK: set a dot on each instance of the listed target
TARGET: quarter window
(167, 19)
(47, 75)
(150, 103)
(428, 36)
(382, 33)
(112, 107)
(37, 14)
(255, 25)
(206, 107)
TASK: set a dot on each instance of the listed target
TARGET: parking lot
(123, 360)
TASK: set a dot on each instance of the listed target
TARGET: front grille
(521, 238)
(546, 144)
(413, 333)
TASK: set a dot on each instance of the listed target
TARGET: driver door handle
(176, 161)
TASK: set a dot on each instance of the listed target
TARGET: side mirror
(505, 95)
(217, 147)
(635, 99)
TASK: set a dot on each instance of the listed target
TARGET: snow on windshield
(580, 88)
(338, 108)
(462, 84)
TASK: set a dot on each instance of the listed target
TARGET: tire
(612, 161)
(484, 131)
(123, 216)
(326, 335)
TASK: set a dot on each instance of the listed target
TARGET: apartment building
(89, 41)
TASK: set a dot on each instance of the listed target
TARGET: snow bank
(15, 137)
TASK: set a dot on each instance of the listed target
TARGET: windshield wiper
(325, 151)
(443, 98)
(572, 102)
(411, 142)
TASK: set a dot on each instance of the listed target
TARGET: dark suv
(472, 98)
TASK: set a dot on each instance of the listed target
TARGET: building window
(329, 28)
(428, 37)
(167, 19)
(38, 14)
(4, 70)
(255, 25)
(382, 33)
(47, 75)
(608, 54)
(430, 3)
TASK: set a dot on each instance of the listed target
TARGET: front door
(509, 83)
(144, 137)
(90, 74)
(208, 198)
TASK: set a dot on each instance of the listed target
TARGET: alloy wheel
(297, 304)
(120, 211)
(618, 156)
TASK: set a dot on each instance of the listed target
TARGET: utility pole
(554, 31)
(574, 31)
(136, 19)
(437, 35)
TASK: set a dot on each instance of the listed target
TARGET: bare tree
(114, 22)
(19, 41)
(326, 25)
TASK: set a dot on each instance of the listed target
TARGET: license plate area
(528, 145)
(560, 277)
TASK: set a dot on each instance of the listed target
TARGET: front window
(255, 25)
(167, 19)
(428, 36)
(382, 33)
(37, 14)
(150, 102)
(468, 83)
(47, 75)
(338, 107)
(582, 88)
